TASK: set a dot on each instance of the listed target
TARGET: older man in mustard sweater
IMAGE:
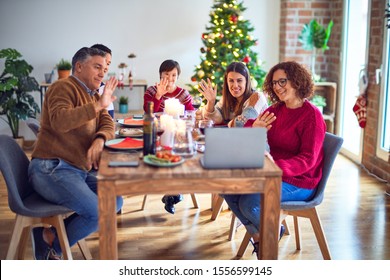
(74, 127)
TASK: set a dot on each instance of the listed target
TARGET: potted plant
(315, 37)
(319, 101)
(123, 104)
(15, 84)
(63, 68)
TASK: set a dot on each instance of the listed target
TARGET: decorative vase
(123, 108)
(63, 74)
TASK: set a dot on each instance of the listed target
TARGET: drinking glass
(197, 101)
(160, 131)
(183, 144)
(203, 124)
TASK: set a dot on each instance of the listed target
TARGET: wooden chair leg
(297, 233)
(84, 249)
(15, 237)
(287, 232)
(233, 227)
(23, 242)
(217, 208)
(244, 245)
(58, 223)
(214, 198)
(319, 232)
(194, 201)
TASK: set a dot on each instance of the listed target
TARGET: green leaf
(314, 35)
(11, 54)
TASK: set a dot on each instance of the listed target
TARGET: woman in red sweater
(296, 132)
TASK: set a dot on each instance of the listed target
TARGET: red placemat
(128, 143)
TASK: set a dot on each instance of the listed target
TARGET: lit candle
(168, 124)
(165, 120)
(173, 108)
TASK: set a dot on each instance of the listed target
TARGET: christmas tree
(227, 39)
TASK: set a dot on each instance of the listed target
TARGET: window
(383, 145)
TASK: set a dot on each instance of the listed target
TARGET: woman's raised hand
(207, 90)
(161, 88)
(265, 120)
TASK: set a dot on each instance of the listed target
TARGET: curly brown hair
(298, 76)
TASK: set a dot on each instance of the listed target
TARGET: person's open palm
(107, 97)
(206, 88)
(162, 87)
(265, 120)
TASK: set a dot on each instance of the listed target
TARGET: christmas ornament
(246, 59)
(233, 19)
(201, 74)
(193, 79)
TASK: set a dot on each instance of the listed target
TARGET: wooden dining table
(188, 177)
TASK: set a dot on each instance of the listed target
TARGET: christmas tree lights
(227, 39)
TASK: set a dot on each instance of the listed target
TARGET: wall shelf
(329, 91)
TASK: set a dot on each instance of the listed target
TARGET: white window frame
(384, 101)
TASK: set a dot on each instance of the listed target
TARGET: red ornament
(204, 36)
(247, 59)
(193, 79)
(233, 18)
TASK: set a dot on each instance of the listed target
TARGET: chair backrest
(331, 146)
(14, 167)
(34, 125)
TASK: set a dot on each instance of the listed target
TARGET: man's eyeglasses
(281, 82)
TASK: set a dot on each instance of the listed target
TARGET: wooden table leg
(269, 220)
(108, 247)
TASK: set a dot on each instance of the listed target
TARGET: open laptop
(230, 148)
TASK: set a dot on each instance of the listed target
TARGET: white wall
(45, 31)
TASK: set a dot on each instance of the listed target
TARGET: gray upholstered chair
(30, 208)
(34, 125)
(307, 209)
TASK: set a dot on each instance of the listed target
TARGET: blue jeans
(64, 184)
(246, 207)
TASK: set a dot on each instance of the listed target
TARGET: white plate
(122, 122)
(109, 144)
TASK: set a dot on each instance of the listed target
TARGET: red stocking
(360, 110)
